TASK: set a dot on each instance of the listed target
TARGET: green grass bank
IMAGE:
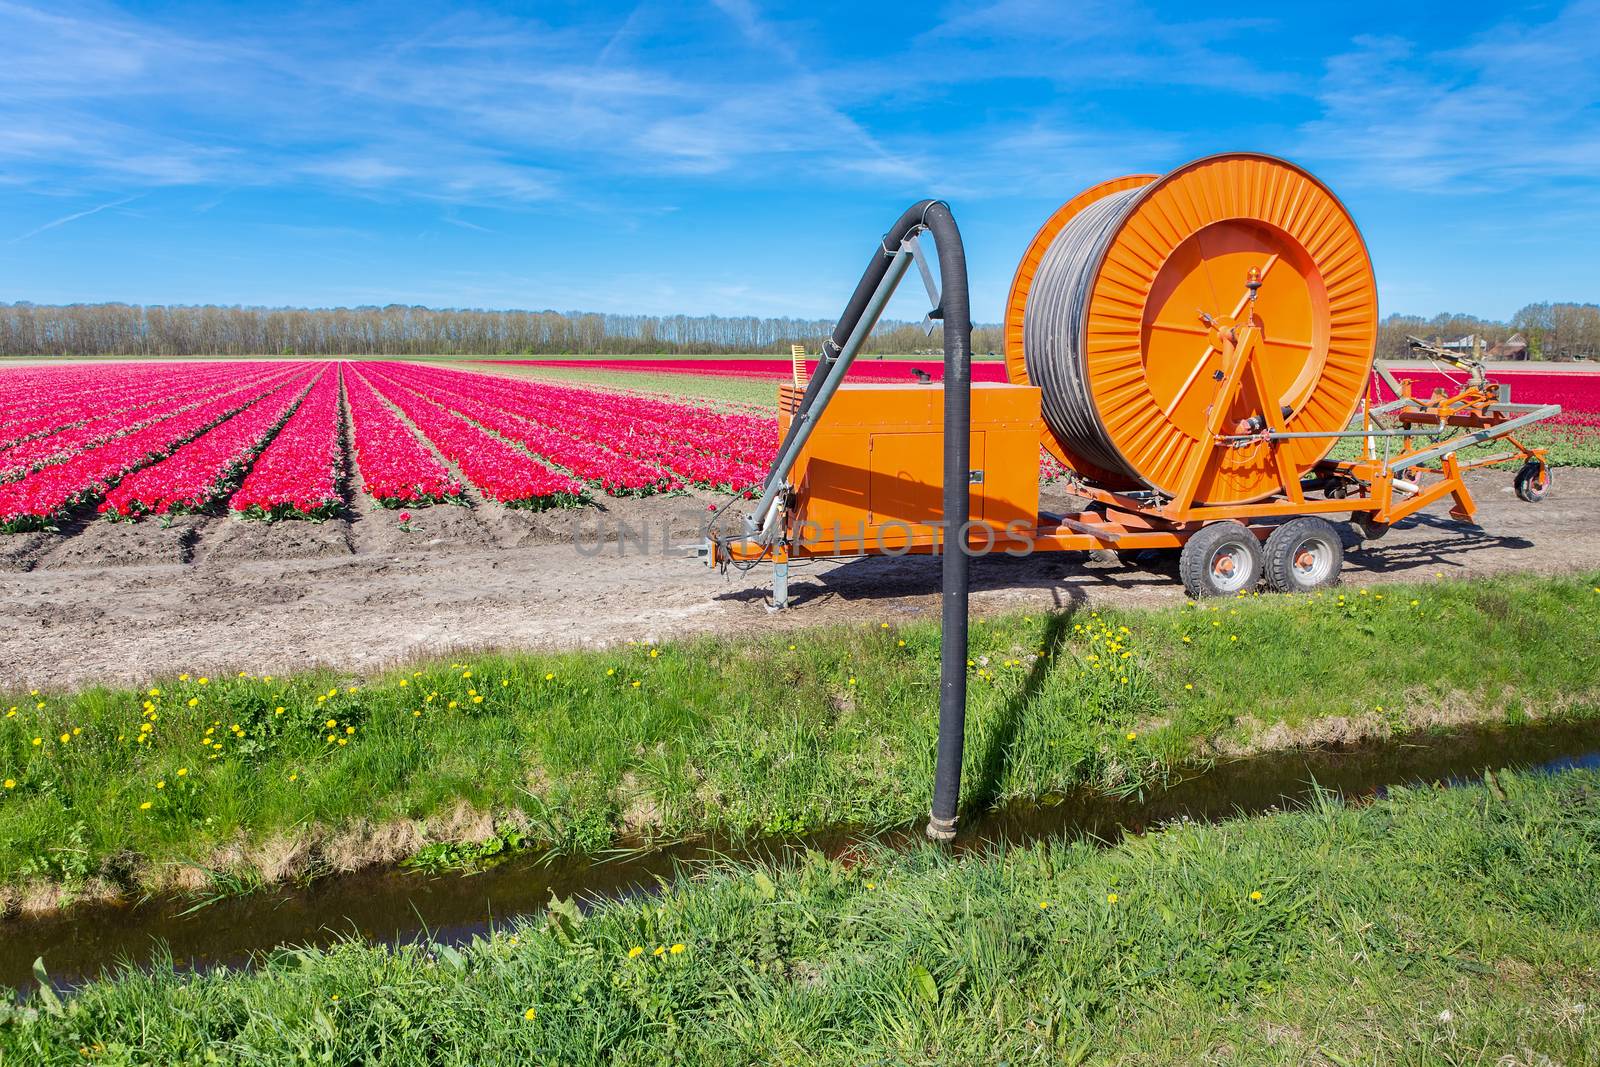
(266, 778)
(1447, 927)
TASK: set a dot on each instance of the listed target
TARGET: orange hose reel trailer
(1132, 300)
(1191, 346)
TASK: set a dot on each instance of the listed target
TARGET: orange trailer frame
(868, 481)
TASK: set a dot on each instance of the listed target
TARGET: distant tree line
(133, 330)
(1553, 331)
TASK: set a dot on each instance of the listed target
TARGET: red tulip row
(699, 446)
(612, 472)
(297, 475)
(39, 499)
(139, 406)
(207, 468)
(396, 469)
(499, 470)
(41, 401)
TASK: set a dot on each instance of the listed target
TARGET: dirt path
(120, 603)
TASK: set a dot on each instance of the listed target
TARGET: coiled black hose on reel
(1055, 347)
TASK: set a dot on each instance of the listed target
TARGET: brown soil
(121, 602)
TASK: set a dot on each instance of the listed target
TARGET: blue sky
(741, 157)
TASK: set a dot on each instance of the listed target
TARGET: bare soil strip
(103, 602)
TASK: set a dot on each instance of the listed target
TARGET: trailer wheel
(1532, 482)
(1303, 554)
(1370, 529)
(1221, 559)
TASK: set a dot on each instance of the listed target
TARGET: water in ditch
(393, 906)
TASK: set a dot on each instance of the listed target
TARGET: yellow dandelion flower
(1132, 735)
(11, 783)
(344, 741)
(477, 700)
(193, 701)
(203, 681)
(1256, 895)
(182, 771)
(1043, 904)
(1112, 898)
(883, 626)
(610, 671)
(676, 950)
(636, 684)
(661, 950)
(37, 741)
(145, 806)
(404, 682)
(65, 738)
(635, 952)
(294, 777)
(454, 704)
(550, 677)
(161, 784)
(530, 1015)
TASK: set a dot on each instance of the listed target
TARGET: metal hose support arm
(912, 220)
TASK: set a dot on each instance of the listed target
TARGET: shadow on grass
(982, 788)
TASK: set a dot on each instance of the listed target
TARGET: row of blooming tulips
(588, 460)
(501, 471)
(38, 401)
(396, 469)
(297, 475)
(137, 405)
(695, 445)
(206, 469)
(45, 496)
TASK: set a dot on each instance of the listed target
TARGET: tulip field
(297, 439)
(302, 439)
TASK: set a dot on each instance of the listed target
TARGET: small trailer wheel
(1221, 559)
(1370, 528)
(1303, 554)
(1532, 482)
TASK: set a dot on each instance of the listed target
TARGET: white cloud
(1513, 105)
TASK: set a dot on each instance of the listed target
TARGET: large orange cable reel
(1163, 295)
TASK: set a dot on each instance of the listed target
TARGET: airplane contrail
(63, 220)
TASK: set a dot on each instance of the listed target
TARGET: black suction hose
(956, 311)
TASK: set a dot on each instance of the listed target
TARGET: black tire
(1220, 559)
(1532, 482)
(1369, 529)
(1303, 554)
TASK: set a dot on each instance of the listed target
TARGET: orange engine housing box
(871, 477)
